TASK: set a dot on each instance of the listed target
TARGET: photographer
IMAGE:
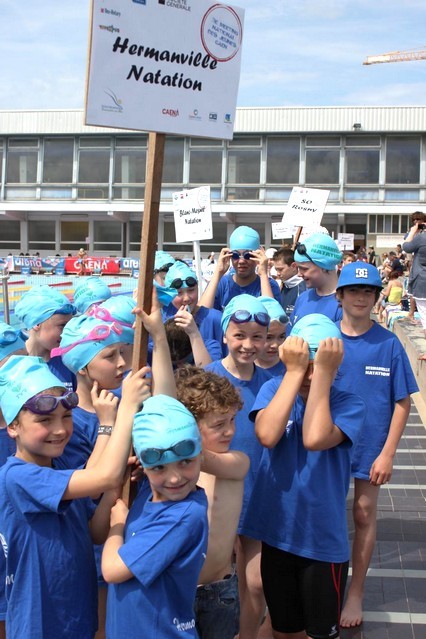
(415, 243)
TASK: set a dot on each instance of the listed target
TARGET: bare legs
(252, 600)
(364, 514)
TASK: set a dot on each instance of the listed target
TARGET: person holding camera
(415, 243)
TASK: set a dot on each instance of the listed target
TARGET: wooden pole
(297, 237)
(149, 235)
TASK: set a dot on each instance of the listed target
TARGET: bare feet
(352, 612)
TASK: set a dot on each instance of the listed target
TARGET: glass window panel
(379, 224)
(139, 141)
(388, 223)
(204, 142)
(173, 161)
(41, 230)
(244, 166)
(95, 193)
(205, 166)
(395, 223)
(361, 194)
(405, 223)
(333, 140)
(73, 234)
(107, 231)
(403, 160)
(130, 166)
(243, 141)
(277, 194)
(362, 166)
(372, 224)
(95, 142)
(94, 166)
(23, 142)
(242, 193)
(363, 140)
(401, 195)
(10, 231)
(322, 167)
(128, 193)
(20, 194)
(58, 160)
(21, 166)
(56, 194)
(283, 159)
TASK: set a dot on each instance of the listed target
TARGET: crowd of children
(246, 428)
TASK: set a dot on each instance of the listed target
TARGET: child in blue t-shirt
(298, 504)
(245, 324)
(44, 312)
(269, 359)
(154, 552)
(46, 521)
(376, 365)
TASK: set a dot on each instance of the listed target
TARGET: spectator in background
(394, 265)
(372, 256)
(292, 283)
(415, 243)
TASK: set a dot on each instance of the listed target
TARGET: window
(41, 235)
(10, 234)
(94, 159)
(362, 166)
(403, 160)
(283, 159)
(107, 236)
(205, 161)
(22, 161)
(58, 160)
(73, 235)
(173, 161)
(244, 161)
(322, 166)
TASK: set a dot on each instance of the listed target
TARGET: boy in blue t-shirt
(154, 552)
(298, 504)
(376, 364)
(46, 522)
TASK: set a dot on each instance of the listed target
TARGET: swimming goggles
(246, 255)
(301, 249)
(45, 404)
(97, 334)
(103, 314)
(163, 269)
(189, 281)
(183, 449)
(66, 309)
(9, 336)
(241, 316)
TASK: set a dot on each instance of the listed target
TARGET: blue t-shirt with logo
(227, 289)
(310, 302)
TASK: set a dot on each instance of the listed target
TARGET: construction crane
(397, 56)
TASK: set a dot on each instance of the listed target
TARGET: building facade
(65, 185)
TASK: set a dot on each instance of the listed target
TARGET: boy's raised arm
(230, 465)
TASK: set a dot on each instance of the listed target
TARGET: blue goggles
(245, 255)
(241, 316)
(9, 336)
(183, 449)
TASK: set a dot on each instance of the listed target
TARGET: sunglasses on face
(103, 314)
(301, 249)
(242, 316)
(45, 404)
(189, 281)
(246, 255)
(183, 449)
(97, 334)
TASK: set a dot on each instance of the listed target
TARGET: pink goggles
(97, 334)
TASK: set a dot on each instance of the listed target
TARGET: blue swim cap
(244, 237)
(78, 328)
(179, 271)
(120, 309)
(164, 422)
(242, 302)
(165, 294)
(92, 290)
(162, 260)
(21, 378)
(314, 328)
(359, 273)
(11, 340)
(274, 309)
(322, 251)
(40, 303)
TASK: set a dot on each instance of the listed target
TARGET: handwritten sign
(345, 241)
(162, 66)
(193, 214)
(305, 207)
(281, 231)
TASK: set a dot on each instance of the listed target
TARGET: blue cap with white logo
(357, 273)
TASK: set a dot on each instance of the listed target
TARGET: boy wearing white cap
(298, 504)
(155, 551)
(317, 259)
(376, 364)
(246, 256)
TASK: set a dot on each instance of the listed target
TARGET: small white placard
(193, 214)
(281, 231)
(305, 207)
(345, 241)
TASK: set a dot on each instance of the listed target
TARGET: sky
(295, 53)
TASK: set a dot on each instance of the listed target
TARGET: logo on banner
(111, 12)
(227, 118)
(172, 112)
(194, 115)
(140, 1)
(176, 4)
(115, 105)
(213, 117)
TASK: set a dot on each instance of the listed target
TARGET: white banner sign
(193, 215)
(165, 66)
(305, 207)
(281, 231)
(345, 241)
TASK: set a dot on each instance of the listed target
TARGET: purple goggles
(45, 404)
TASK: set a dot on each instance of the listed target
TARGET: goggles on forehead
(45, 404)
(241, 316)
(9, 336)
(183, 449)
(301, 249)
(97, 334)
(163, 269)
(66, 309)
(245, 255)
(103, 314)
(189, 281)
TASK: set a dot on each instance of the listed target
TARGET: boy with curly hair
(214, 402)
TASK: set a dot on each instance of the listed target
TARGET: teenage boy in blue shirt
(376, 365)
